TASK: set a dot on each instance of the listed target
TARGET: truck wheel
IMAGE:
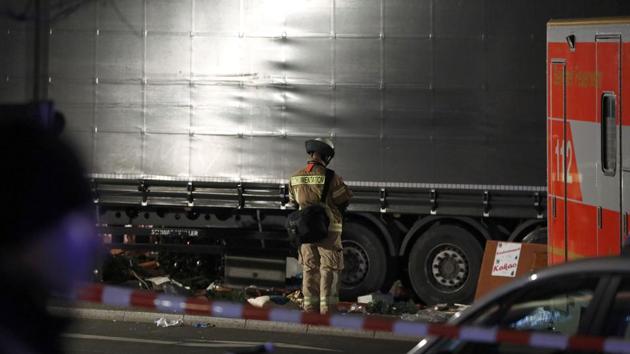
(538, 235)
(444, 265)
(365, 262)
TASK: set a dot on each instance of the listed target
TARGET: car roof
(602, 265)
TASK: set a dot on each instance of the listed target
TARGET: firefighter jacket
(305, 188)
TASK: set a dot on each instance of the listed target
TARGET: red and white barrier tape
(122, 297)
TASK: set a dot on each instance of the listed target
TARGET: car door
(563, 305)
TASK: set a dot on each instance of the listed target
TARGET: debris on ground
(399, 303)
(260, 301)
(220, 292)
(149, 265)
(217, 287)
(173, 287)
(437, 314)
(163, 322)
(146, 271)
(253, 291)
(400, 292)
(279, 299)
(357, 308)
(397, 308)
(201, 325)
(441, 307)
(157, 282)
(426, 315)
(296, 298)
(387, 299)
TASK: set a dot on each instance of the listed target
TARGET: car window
(561, 313)
(557, 307)
(617, 322)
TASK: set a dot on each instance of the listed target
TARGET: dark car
(585, 297)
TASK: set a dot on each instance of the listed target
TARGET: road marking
(197, 344)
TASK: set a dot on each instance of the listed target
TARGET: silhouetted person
(47, 238)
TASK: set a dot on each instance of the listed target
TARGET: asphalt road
(97, 336)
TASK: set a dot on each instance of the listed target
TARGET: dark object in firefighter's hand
(310, 225)
(343, 207)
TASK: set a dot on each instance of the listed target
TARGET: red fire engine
(588, 153)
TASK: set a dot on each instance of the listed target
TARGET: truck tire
(444, 265)
(538, 235)
(365, 262)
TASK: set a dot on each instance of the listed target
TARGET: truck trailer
(192, 114)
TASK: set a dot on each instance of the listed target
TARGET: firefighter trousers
(322, 264)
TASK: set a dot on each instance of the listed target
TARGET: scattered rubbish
(376, 297)
(252, 292)
(441, 307)
(143, 283)
(279, 300)
(201, 325)
(169, 273)
(214, 286)
(163, 322)
(157, 282)
(357, 308)
(189, 283)
(401, 307)
(149, 265)
(260, 301)
(344, 306)
(437, 314)
(296, 298)
(377, 307)
(216, 291)
(397, 308)
(427, 315)
(400, 292)
(176, 288)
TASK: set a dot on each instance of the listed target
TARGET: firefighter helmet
(323, 146)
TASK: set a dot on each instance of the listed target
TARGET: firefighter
(322, 262)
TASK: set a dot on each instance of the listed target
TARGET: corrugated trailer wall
(424, 91)
(16, 55)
